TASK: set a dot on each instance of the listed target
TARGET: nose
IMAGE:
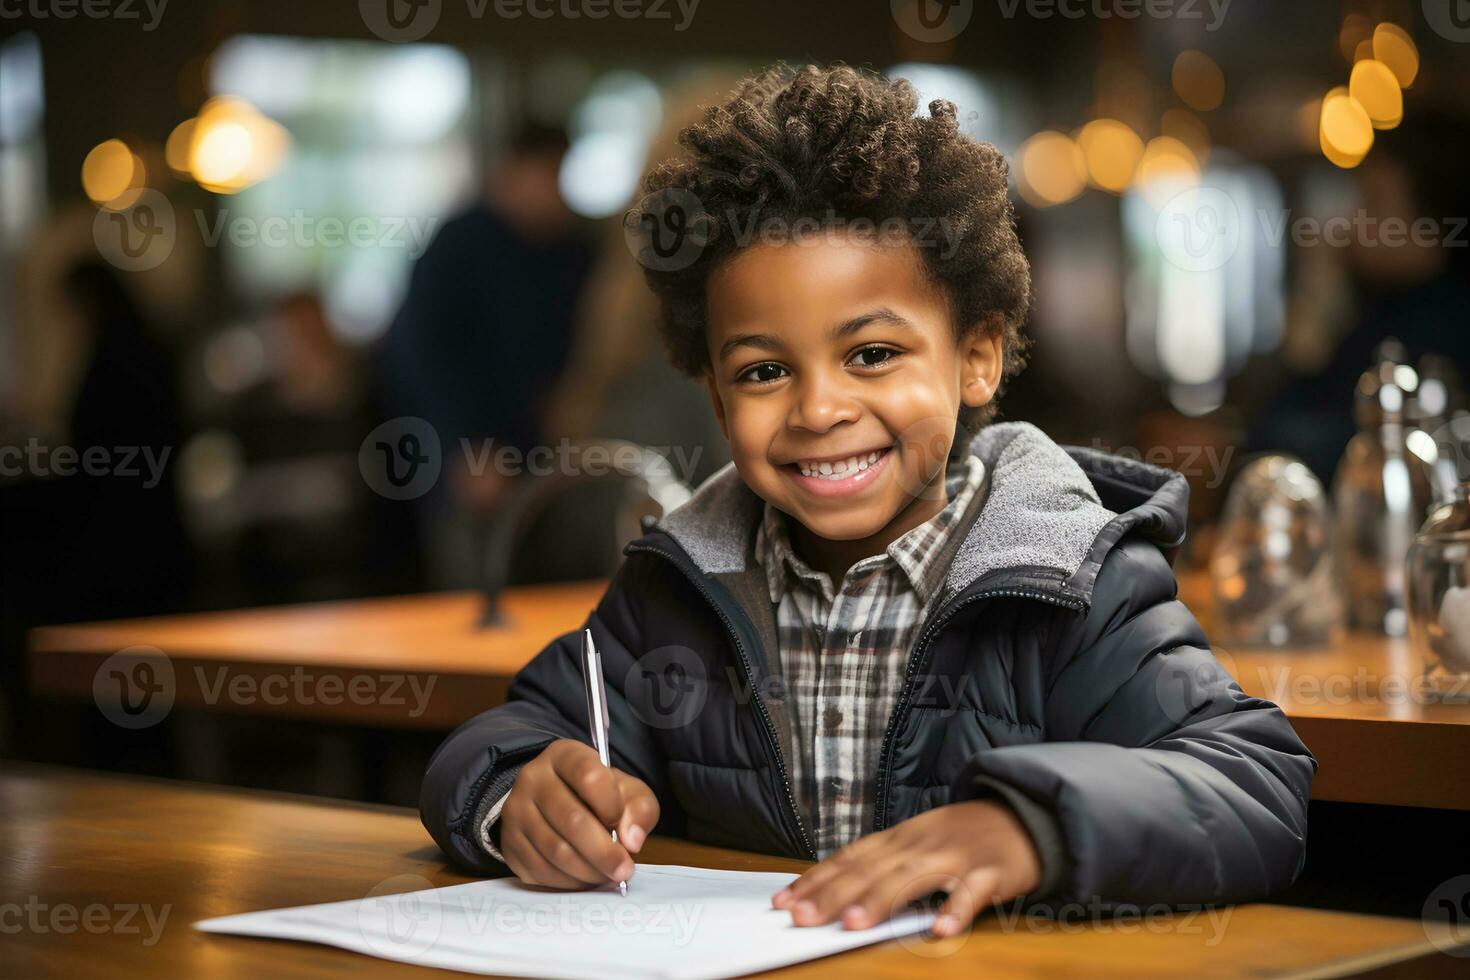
(822, 401)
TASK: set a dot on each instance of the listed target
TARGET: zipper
(920, 657)
(770, 728)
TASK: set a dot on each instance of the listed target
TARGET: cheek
(752, 424)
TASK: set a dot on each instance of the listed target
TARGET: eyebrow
(770, 342)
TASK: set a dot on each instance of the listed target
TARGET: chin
(843, 527)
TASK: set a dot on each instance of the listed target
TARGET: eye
(873, 356)
(761, 373)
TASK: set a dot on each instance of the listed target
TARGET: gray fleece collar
(1043, 520)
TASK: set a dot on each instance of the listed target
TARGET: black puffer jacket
(1059, 673)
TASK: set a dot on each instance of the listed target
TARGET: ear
(719, 405)
(981, 364)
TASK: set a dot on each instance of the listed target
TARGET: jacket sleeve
(478, 761)
(1166, 781)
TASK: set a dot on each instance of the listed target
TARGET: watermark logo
(400, 21)
(401, 459)
(1198, 230)
(1190, 681)
(1446, 916)
(134, 688)
(667, 687)
(1450, 19)
(401, 916)
(139, 237)
(935, 889)
(932, 21)
(669, 230)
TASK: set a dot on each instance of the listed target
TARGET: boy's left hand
(977, 850)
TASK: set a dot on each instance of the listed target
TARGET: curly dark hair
(843, 144)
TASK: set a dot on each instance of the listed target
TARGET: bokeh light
(1393, 46)
(113, 176)
(1052, 171)
(230, 145)
(1345, 131)
(1198, 80)
(1376, 88)
(1112, 151)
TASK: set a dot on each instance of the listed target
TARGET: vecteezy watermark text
(96, 918)
(402, 458)
(39, 460)
(1212, 12)
(137, 687)
(142, 236)
(88, 9)
(404, 21)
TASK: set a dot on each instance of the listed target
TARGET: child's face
(840, 355)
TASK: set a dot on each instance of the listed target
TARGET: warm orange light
(1345, 131)
(112, 174)
(1168, 165)
(1112, 151)
(1363, 51)
(231, 145)
(1052, 171)
(1198, 80)
(1377, 90)
(176, 150)
(1393, 46)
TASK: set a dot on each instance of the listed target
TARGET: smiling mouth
(839, 469)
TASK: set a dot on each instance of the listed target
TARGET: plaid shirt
(843, 654)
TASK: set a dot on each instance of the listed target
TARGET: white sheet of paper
(677, 923)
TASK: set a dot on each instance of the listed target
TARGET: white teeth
(841, 469)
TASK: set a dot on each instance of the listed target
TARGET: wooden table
(1353, 703)
(395, 649)
(105, 875)
(1361, 706)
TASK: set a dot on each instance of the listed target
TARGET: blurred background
(280, 281)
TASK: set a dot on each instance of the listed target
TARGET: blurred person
(311, 529)
(1415, 288)
(128, 551)
(618, 383)
(483, 335)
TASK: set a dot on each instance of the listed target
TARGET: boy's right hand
(555, 827)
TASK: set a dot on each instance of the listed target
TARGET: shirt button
(832, 718)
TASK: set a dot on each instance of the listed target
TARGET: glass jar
(1439, 596)
(1273, 569)
(1382, 491)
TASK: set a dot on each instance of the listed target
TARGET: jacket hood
(1050, 516)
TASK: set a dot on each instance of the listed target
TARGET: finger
(966, 900)
(826, 901)
(594, 783)
(902, 884)
(533, 869)
(585, 834)
(640, 812)
(562, 855)
(817, 877)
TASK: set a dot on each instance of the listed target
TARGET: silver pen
(598, 720)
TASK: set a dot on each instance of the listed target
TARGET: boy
(931, 657)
